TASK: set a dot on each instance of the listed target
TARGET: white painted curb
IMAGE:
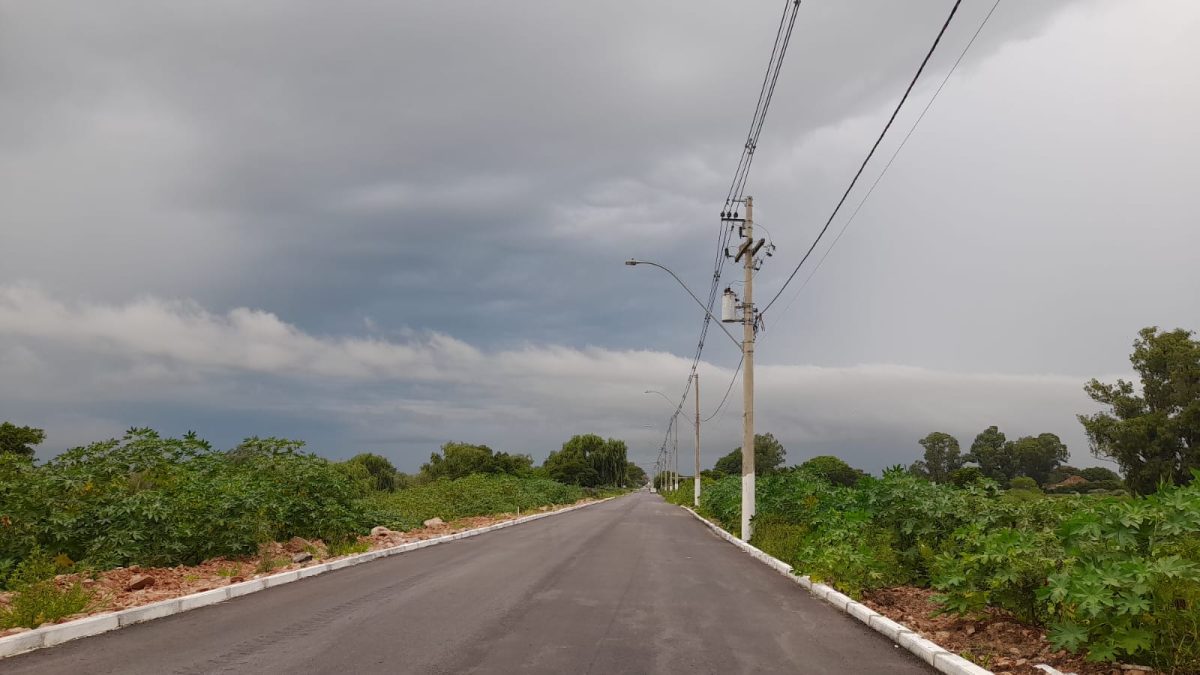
(102, 623)
(942, 660)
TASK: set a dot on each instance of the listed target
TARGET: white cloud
(153, 351)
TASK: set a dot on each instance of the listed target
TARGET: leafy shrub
(1129, 586)
(1023, 483)
(1003, 568)
(1096, 474)
(36, 598)
(474, 495)
(1117, 577)
(374, 471)
(162, 501)
(966, 475)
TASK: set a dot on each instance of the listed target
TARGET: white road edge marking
(102, 623)
(941, 659)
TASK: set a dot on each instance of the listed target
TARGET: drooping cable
(892, 159)
(870, 154)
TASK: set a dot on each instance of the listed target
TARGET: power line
(783, 34)
(870, 154)
(728, 389)
(766, 91)
(893, 157)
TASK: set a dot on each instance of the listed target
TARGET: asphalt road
(633, 585)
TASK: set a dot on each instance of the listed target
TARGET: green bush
(36, 598)
(473, 495)
(1117, 577)
(1023, 483)
(966, 476)
(1129, 586)
(1003, 567)
(150, 500)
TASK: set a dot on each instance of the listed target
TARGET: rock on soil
(139, 581)
(297, 544)
(434, 522)
(381, 531)
(302, 557)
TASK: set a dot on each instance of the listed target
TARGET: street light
(634, 261)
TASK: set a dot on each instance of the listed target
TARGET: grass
(348, 547)
(266, 565)
(231, 571)
(37, 598)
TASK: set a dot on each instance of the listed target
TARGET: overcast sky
(379, 226)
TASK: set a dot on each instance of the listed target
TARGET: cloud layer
(404, 396)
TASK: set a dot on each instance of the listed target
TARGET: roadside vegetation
(1108, 566)
(152, 501)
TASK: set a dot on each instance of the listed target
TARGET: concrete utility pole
(748, 321)
(675, 450)
(696, 495)
(747, 252)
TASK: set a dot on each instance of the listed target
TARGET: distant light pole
(696, 424)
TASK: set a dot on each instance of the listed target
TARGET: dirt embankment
(995, 640)
(133, 586)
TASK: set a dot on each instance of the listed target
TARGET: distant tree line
(993, 456)
(1151, 432)
(586, 460)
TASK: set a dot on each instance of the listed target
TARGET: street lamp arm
(632, 261)
(668, 400)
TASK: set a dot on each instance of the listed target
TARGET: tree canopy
(19, 441)
(988, 451)
(942, 457)
(378, 471)
(833, 469)
(1153, 434)
(589, 460)
(635, 475)
(458, 460)
(768, 457)
(1036, 457)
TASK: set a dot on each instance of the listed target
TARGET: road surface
(633, 585)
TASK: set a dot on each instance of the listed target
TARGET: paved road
(630, 586)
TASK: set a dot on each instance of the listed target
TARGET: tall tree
(1154, 434)
(1036, 457)
(379, 471)
(942, 457)
(994, 456)
(17, 440)
(589, 460)
(769, 455)
(635, 476)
